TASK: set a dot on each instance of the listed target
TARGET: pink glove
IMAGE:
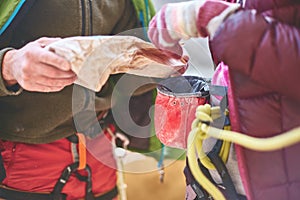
(176, 21)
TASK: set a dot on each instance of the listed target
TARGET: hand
(36, 69)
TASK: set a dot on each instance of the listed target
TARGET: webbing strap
(81, 151)
(79, 158)
(213, 155)
(63, 179)
(229, 188)
(80, 155)
(201, 194)
(11, 194)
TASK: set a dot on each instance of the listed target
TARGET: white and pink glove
(176, 21)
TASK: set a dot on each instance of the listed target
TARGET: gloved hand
(176, 21)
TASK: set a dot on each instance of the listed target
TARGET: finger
(54, 60)
(185, 58)
(52, 72)
(40, 55)
(153, 36)
(155, 39)
(174, 51)
(42, 88)
(54, 82)
(177, 49)
(44, 41)
(152, 27)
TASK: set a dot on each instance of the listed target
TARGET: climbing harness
(202, 129)
(79, 165)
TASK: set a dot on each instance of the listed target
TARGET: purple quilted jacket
(262, 50)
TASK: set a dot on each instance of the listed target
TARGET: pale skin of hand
(36, 69)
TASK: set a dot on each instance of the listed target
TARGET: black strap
(63, 179)
(201, 194)
(88, 187)
(70, 169)
(229, 190)
(10, 194)
(73, 138)
(109, 195)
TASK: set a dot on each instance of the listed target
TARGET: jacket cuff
(5, 90)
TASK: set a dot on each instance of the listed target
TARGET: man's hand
(36, 69)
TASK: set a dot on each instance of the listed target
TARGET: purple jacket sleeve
(266, 51)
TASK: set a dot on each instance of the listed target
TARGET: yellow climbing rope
(201, 130)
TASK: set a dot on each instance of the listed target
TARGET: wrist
(7, 74)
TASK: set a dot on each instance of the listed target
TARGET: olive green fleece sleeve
(4, 91)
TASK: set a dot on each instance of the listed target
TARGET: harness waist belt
(11, 194)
